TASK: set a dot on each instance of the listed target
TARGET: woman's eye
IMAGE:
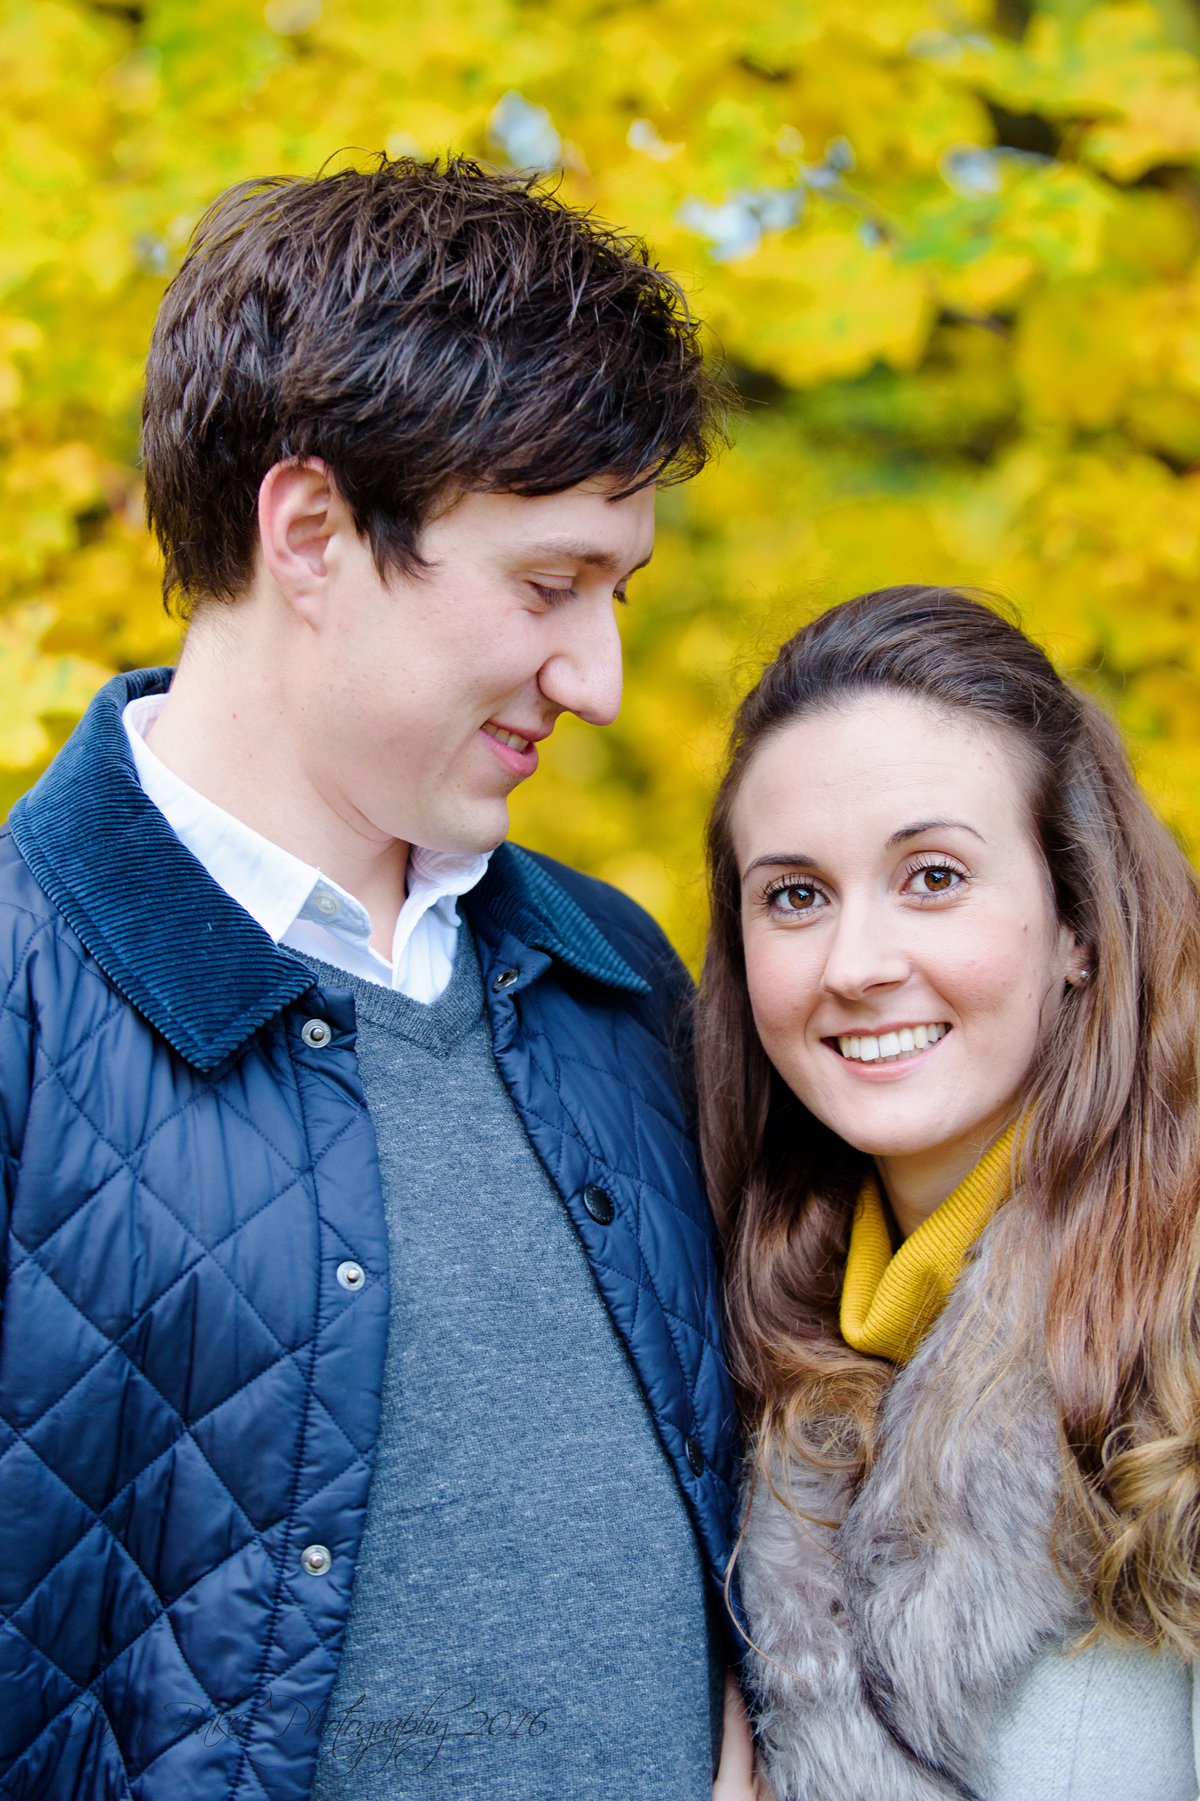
(798, 897)
(936, 880)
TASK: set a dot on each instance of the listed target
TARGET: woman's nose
(866, 952)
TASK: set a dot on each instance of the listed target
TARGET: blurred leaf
(954, 270)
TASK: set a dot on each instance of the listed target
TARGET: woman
(948, 1057)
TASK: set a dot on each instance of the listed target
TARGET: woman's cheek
(981, 969)
(784, 985)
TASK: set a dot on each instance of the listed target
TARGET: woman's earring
(1083, 975)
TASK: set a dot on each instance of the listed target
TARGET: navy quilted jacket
(188, 1397)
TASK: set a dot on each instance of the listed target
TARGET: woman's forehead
(879, 764)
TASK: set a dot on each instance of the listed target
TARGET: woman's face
(903, 953)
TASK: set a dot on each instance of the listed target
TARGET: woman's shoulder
(1087, 1725)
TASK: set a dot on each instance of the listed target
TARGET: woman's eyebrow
(932, 825)
(777, 861)
(803, 860)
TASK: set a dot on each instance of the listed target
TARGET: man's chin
(474, 835)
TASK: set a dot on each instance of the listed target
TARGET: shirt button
(315, 1560)
(316, 1034)
(351, 1276)
(599, 1204)
(327, 903)
(505, 979)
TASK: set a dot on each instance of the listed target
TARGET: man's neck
(226, 730)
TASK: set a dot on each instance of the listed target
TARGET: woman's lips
(890, 1052)
(901, 1041)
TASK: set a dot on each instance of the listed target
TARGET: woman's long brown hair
(1109, 1176)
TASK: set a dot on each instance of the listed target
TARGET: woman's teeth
(891, 1044)
(509, 738)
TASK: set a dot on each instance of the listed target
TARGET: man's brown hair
(422, 328)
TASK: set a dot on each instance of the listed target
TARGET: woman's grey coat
(914, 1641)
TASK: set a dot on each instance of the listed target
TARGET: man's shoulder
(24, 904)
(41, 960)
(666, 1011)
(627, 926)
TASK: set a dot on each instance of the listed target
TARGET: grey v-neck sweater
(528, 1621)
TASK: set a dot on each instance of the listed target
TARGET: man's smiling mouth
(889, 1046)
(510, 738)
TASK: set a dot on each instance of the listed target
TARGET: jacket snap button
(351, 1276)
(695, 1454)
(599, 1205)
(316, 1034)
(505, 979)
(315, 1560)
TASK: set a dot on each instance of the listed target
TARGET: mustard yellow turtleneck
(889, 1302)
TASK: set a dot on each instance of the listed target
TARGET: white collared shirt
(298, 906)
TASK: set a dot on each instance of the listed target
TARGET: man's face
(425, 697)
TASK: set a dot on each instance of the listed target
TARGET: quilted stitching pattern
(187, 1397)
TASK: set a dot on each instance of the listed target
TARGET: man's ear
(300, 512)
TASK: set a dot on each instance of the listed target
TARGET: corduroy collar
(171, 940)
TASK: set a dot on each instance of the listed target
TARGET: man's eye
(936, 880)
(552, 595)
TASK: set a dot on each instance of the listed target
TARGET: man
(365, 1429)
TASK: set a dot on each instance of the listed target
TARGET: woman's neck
(916, 1183)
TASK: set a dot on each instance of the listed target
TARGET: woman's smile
(893, 1044)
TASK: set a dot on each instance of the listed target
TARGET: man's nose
(583, 673)
(866, 951)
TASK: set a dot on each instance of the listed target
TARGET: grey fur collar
(883, 1643)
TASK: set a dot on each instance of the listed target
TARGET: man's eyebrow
(578, 550)
(932, 825)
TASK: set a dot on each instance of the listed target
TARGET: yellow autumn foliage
(949, 252)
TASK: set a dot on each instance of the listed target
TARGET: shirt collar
(273, 886)
(173, 942)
